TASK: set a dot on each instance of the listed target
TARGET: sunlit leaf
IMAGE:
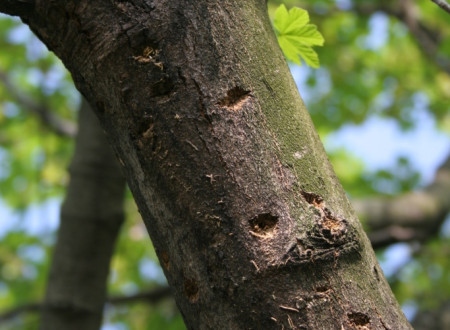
(296, 37)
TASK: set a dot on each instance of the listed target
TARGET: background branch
(412, 216)
(152, 296)
(59, 125)
(427, 39)
(91, 218)
(443, 4)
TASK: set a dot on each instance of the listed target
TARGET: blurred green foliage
(362, 75)
(425, 280)
(33, 160)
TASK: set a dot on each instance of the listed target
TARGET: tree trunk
(91, 217)
(251, 226)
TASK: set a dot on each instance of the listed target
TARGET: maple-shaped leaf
(296, 37)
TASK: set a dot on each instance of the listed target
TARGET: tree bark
(91, 217)
(251, 226)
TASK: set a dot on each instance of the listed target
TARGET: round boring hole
(263, 224)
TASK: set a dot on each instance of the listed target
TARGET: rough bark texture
(91, 217)
(251, 226)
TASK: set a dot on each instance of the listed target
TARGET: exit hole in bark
(322, 289)
(165, 259)
(191, 289)
(313, 198)
(333, 227)
(235, 98)
(100, 106)
(358, 318)
(263, 224)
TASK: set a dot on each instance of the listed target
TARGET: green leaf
(296, 37)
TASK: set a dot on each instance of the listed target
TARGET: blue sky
(379, 141)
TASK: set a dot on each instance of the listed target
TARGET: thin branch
(443, 4)
(150, 297)
(427, 43)
(59, 125)
(28, 308)
(395, 234)
(426, 38)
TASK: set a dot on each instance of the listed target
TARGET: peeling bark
(252, 227)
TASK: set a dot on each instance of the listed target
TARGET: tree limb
(394, 234)
(152, 296)
(412, 216)
(160, 74)
(59, 125)
(443, 4)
